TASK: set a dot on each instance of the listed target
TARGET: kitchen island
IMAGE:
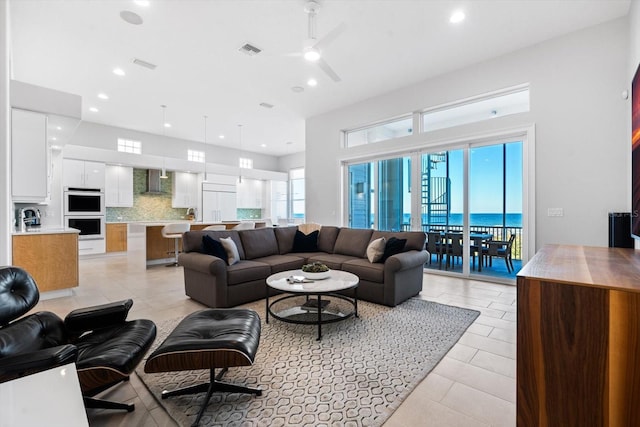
(49, 255)
(159, 250)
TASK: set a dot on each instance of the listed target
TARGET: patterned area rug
(356, 376)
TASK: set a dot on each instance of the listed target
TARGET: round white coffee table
(314, 309)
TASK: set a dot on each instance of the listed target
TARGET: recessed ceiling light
(167, 125)
(103, 96)
(93, 109)
(221, 136)
(297, 89)
(142, 3)
(457, 17)
(56, 147)
(312, 82)
(263, 145)
(53, 138)
(131, 17)
(58, 127)
(118, 72)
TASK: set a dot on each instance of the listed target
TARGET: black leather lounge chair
(104, 345)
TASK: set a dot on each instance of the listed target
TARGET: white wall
(580, 118)
(5, 158)
(105, 137)
(291, 161)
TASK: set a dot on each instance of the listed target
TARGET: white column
(6, 205)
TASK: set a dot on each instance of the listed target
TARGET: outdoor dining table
(478, 239)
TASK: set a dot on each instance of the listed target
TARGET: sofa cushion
(280, 263)
(415, 239)
(371, 272)
(305, 242)
(327, 238)
(375, 250)
(259, 242)
(231, 249)
(394, 246)
(210, 246)
(247, 271)
(353, 241)
(285, 236)
(333, 261)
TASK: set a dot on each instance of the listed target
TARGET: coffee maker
(30, 217)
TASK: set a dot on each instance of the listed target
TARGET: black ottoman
(209, 339)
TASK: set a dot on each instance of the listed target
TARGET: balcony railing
(498, 232)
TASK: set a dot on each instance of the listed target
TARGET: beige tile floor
(474, 385)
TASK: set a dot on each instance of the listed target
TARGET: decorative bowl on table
(316, 271)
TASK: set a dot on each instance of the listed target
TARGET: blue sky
(485, 179)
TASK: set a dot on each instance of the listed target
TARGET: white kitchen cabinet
(218, 206)
(185, 190)
(118, 186)
(250, 194)
(30, 157)
(83, 174)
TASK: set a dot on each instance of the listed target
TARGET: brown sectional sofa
(264, 251)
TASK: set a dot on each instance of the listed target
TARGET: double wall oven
(84, 210)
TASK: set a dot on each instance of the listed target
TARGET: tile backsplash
(147, 207)
(249, 213)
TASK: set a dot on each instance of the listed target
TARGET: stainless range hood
(153, 182)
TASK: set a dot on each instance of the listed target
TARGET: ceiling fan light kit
(312, 48)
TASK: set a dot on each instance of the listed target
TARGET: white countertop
(45, 230)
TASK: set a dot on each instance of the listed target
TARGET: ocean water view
(480, 219)
(487, 219)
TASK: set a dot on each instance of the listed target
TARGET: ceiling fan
(312, 50)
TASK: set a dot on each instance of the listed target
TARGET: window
(195, 156)
(129, 146)
(485, 108)
(245, 163)
(379, 132)
(296, 179)
(379, 194)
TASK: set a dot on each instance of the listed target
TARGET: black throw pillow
(213, 247)
(393, 246)
(305, 242)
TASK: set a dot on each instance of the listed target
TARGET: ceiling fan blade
(328, 70)
(330, 36)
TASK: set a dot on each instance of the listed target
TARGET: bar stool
(175, 231)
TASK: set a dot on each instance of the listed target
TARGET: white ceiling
(73, 45)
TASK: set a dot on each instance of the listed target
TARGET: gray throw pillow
(231, 249)
(375, 250)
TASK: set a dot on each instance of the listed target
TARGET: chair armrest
(20, 365)
(97, 317)
(498, 243)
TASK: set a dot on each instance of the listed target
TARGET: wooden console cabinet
(578, 348)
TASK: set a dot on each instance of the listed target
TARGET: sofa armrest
(405, 260)
(203, 263)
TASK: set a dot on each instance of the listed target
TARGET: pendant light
(163, 175)
(205, 148)
(240, 162)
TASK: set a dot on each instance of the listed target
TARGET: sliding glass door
(468, 200)
(380, 194)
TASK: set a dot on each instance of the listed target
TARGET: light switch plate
(555, 212)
